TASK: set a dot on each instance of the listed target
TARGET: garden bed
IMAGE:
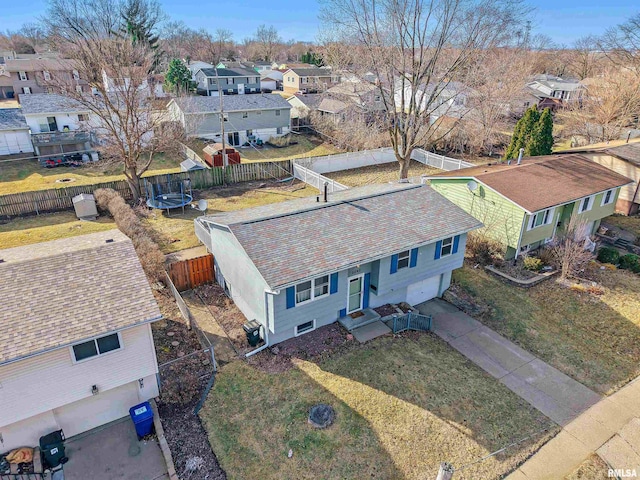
(182, 385)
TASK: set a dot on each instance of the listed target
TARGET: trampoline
(169, 195)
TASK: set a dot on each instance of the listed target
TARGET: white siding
(51, 380)
(15, 141)
(63, 120)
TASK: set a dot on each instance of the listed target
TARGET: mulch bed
(385, 310)
(516, 271)
(227, 314)
(324, 341)
(182, 384)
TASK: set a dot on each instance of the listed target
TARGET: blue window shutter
(438, 249)
(291, 297)
(333, 283)
(343, 312)
(456, 241)
(394, 263)
(365, 293)
(414, 258)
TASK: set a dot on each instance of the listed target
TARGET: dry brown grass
(592, 338)
(387, 172)
(403, 405)
(22, 231)
(632, 224)
(593, 468)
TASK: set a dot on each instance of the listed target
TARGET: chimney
(326, 192)
(520, 156)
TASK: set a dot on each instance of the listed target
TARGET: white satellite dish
(472, 185)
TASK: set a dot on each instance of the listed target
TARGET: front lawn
(403, 405)
(387, 172)
(594, 339)
(28, 175)
(43, 228)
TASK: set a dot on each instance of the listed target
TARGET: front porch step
(369, 316)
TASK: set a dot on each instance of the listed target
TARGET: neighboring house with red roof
(301, 264)
(524, 205)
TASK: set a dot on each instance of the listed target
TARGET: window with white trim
(447, 247)
(312, 289)
(46, 75)
(76, 75)
(83, 117)
(541, 218)
(23, 76)
(403, 259)
(277, 113)
(305, 327)
(279, 131)
(586, 204)
(608, 196)
(79, 88)
(245, 114)
(96, 347)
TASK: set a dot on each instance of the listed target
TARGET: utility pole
(225, 161)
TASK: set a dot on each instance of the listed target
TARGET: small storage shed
(213, 155)
(85, 206)
(190, 165)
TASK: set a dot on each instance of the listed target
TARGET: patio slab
(370, 331)
(113, 452)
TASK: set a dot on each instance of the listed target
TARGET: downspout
(265, 328)
(524, 221)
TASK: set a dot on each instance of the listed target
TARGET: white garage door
(97, 410)
(15, 142)
(424, 290)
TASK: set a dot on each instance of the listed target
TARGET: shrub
(631, 262)
(532, 263)
(149, 254)
(546, 256)
(608, 255)
(483, 250)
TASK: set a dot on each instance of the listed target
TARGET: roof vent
(109, 240)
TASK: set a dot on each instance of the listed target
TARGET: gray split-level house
(301, 264)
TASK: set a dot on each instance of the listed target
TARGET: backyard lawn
(387, 172)
(306, 147)
(403, 405)
(593, 338)
(632, 224)
(27, 175)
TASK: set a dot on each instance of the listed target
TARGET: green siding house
(524, 204)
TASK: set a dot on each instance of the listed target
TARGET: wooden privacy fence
(191, 273)
(57, 199)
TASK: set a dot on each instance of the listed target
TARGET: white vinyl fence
(439, 161)
(315, 179)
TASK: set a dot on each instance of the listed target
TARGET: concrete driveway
(113, 452)
(555, 394)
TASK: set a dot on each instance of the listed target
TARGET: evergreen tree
(522, 133)
(541, 142)
(178, 77)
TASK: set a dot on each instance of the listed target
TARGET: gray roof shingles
(232, 103)
(12, 119)
(299, 239)
(65, 291)
(49, 103)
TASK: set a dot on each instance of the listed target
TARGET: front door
(240, 88)
(233, 139)
(354, 301)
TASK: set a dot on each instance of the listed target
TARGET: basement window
(96, 347)
(305, 327)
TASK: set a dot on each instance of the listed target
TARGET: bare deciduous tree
(584, 57)
(569, 248)
(130, 128)
(622, 44)
(608, 106)
(268, 42)
(417, 48)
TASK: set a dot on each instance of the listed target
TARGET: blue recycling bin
(142, 417)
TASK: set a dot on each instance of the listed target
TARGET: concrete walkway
(552, 392)
(222, 346)
(610, 428)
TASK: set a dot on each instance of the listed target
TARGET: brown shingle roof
(629, 153)
(542, 182)
(57, 293)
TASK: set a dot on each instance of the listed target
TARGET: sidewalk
(610, 428)
(552, 392)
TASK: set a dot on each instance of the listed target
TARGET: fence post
(395, 321)
(445, 472)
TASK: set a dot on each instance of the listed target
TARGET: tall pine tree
(178, 77)
(541, 142)
(522, 133)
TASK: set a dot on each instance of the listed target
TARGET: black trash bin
(52, 449)
(252, 329)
